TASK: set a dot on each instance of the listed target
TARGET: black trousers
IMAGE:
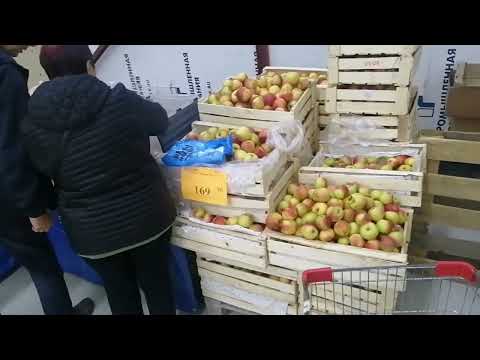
(34, 252)
(145, 267)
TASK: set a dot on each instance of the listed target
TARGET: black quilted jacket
(93, 142)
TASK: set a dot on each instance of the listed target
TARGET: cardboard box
(463, 105)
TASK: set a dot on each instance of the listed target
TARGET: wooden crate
(396, 70)
(396, 101)
(249, 280)
(260, 118)
(393, 181)
(467, 74)
(350, 50)
(244, 248)
(462, 194)
(312, 131)
(264, 179)
(258, 207)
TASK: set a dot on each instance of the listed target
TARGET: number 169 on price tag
(204, 185)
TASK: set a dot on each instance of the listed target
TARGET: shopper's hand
(42, 223)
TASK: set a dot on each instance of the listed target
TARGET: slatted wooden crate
(244, 248)
(396, 70)
(373, 100)
(258, 207)
(460, 196)
(264, 178)
(260, 118)
(312, 131)
(467, 74)
(350, 50)
(270, 282)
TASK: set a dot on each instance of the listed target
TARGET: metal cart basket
(445, 287)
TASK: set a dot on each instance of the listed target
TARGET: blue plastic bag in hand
(194, 152)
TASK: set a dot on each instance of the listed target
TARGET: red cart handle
(317, 275)
(456, 268)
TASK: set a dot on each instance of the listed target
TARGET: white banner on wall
(184, 69)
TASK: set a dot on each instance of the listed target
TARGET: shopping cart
(445, 287)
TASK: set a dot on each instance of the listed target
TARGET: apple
(240, 155)
(207, 217)
(292, 78)
(250, 84)
(260, 152)
(404, 168)
(293, 202)
(288, 197)
(279, 103)
(262, 81)
(267, 107)
(274, 90)
(349, 215)
(241, 76)
(288, 227)
(212, 99)
(268, 148)
(269, 99)
(299, 222)
(373, 245)
(257, 227)
(329, 162)
(192, 136)
(309, 218)
(320, 183)
(205, 136)
(401, 158)
(303, 83)
(301, 192)
(384, 226)
(323, 222)
(356, 201)
(331, 189)
(299, 231)
(213, 131)
(393, 162)
(219, 220)
(335, 213)
(258, 103)
(309, 203)
(335, 202)
(356, 240)
(386, 167)
(199, 213)
(297, 93)
(376, 213)
(397, 236)
(352, 188)
(287, 96)
(248, 146)
(343, 241)
(341, 228)
(222, 133)
(234, 220)
(373, 167)
(369, 231)
(341, 192)
(289, 213)
(244, 94)
(392, 216)
(236, 84)
(309, 232)
(354, 228)
(262, 92)
(386, 198)
(402, 217)
(243, 133)
(364, 191)
(392, 207)
(319, 208)
(410, 161)
(263, 136)
(283, 205)
(245, 220)
(387, 243)
(276, 79)
(370, 203)
(327, 235)
(377, 203)
(291, 188)
(362, 218)
(319, 195)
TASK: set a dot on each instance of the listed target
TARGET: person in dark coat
(93, 142)
(25, 193)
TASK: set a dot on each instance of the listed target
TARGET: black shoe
(84, 307)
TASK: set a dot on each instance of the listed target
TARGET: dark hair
(63, 60)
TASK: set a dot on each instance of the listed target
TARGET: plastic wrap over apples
(355, 129)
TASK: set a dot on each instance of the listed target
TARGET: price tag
(204, 185)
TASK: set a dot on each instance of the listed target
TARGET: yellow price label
(204, 185)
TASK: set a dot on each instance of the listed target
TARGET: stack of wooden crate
(233, 263)
(375, 82)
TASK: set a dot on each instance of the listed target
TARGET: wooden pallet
(396, 70)
(263, 179)
(258, 207)
(351, 50)
(370, 101)
(467, 74)
(251, 281)
(227, 244)
(260, 118)
(462, 194)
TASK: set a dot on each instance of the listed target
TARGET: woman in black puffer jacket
(93, 142)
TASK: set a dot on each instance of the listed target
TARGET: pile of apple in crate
(268, 118)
